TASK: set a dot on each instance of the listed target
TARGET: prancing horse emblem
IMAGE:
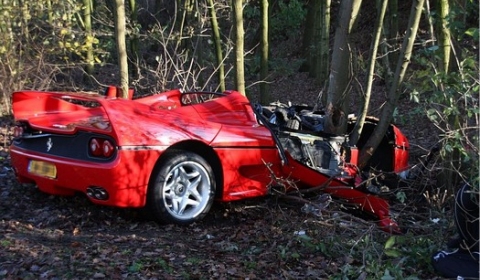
(49, 144)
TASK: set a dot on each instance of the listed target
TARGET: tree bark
(239, 46)
(218, 45)
(308, 40)
(389, 48)
(87, 21)
(121, 45)
(264, 98)
(402, 65)
(320, 54)
(444, 34)
(431, 29)
(316, 42)
(134, 40)
(357, 131)
(340, 70)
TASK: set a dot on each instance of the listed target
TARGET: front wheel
(183, 188)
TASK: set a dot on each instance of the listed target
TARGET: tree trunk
(402, 65)
(239, 46)
(218, 45)
(389, 48)
(87, 21)
(134, 41)
(187, 13)
(320, 55)
(121, 45)
(308, 36)
(431, 29)
(444, 34)
(393, 7)
(264, 98)
(340, 70)
(316, 42)
(357, 131)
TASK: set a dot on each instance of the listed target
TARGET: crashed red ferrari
(176, 152)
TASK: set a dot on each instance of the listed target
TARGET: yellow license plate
(42, 168)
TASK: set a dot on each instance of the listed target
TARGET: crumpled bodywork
(57, 134)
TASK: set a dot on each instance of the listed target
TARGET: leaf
(390, 242)
(295, 255)
(473, 32)
(387, 276)
(394, 253)
(433, 48)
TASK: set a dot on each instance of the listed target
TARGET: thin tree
(134, 40)
(444, 33)
(87, 25)
(357, 131)
(218, 44)
(308, 35)
(121, 45)
(239, 46)
(322, 41)
(393, 95)
(340, 70)
(431, 28)
(264, 98)
(316, 41)
(187, 14)
(391, 46)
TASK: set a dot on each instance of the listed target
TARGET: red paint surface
(144, 128)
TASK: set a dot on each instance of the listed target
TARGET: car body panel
(143, 140)
(400, 158)
(245, 171)
(125, 178)
(247, 153)
(344, 189)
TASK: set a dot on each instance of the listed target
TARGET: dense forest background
(411, 62)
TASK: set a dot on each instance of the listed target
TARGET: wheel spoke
(175, 204)
(168, 186)
(193, 189)
(185, 175)
(185, 188)
(186, 201)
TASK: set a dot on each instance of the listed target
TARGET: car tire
(182, 190)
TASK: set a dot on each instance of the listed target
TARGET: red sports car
(176, 152)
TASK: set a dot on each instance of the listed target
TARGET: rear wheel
(183, 188)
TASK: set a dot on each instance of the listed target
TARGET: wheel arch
(202, 150)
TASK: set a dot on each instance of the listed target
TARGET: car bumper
(125, 179)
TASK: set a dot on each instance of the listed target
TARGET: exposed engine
(323, 154)
(301, 132)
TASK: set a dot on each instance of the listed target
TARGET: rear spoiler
(28, 104)
(35, 103)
